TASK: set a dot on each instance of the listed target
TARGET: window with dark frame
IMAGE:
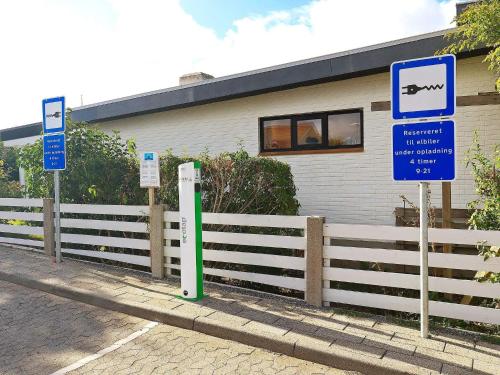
(277, 134)
(312, 131)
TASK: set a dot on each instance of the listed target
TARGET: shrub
(9, 156)
(9, 173)
(101, 168)
(104, 169)
(487, 180)
(486, 207)
(8, 188)
(234, 182)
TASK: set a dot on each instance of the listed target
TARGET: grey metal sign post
(57, 219)
(54, 154)
(424, 260)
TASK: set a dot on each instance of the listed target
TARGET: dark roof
(22, 131)
(355, 63)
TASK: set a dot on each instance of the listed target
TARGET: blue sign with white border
(423, 88)
(424, 151)
(53, 110)
(149, 156)
(54, 152)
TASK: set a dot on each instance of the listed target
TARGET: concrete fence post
(48, 226)
(314, 260)
(156, 240)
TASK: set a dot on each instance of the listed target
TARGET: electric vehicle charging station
(190, 229)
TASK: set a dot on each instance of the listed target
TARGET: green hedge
(104, 169)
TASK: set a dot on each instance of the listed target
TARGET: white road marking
(82, 362)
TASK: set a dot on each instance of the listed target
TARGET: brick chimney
(186, 79)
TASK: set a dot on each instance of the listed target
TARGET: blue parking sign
(54, 112)
(423, 88)
(424, 151)
(54, 152)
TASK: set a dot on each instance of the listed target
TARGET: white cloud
(113, 48)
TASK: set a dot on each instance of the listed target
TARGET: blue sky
(219, 15)
(107, 49)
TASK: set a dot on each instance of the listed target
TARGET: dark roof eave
(346, 66)
(23, 131)
(341, 66)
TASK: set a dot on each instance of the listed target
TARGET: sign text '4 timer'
(424, 151)
(54, 152)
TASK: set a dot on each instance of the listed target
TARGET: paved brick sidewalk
(42, 333)
(172, 351)
(369, 344)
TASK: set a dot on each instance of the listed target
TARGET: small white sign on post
(150, 170)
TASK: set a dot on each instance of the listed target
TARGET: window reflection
(344, 129)
(341, 129)
(277, 134)
(309, 132)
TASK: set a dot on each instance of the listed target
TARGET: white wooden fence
(405, 280)
(28, 217)
(135, 222)
(31, 232)
(252, 240)
(88, 231)
(133, 219)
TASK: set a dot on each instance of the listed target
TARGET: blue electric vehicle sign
(424, 151)
(54, 152)
(53, 110)
(423, 88)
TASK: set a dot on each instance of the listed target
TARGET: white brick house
(345, 186)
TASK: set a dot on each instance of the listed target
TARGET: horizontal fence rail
(105, 209)
(246, 239)
(119, 257)
(439, 260)
(411, 305)
(390, 233)
(268, 221)
(231, 258)
(22, 241)
(21, 202)
(123, 226)
(351, 275)
(26, 216)
(239, 257)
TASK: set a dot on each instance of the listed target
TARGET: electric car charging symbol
(413, 89)
(56, 114)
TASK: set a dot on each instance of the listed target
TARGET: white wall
(21, 141)
(346, 188)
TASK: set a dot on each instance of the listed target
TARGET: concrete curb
(344, 360)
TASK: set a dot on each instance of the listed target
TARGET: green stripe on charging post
(190, 226)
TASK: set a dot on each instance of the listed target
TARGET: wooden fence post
(314, 260)
(156, 240)
(48, 226)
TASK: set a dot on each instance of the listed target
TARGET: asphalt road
(44, 334)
